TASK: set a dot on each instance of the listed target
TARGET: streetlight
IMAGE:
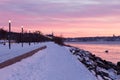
(22, 35)
(29, 38)
(9, 36)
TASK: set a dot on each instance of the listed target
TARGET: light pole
(29, 38)
(22, 35)
(9, 35)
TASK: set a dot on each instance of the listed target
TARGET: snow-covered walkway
(53, 63)
(16, 50)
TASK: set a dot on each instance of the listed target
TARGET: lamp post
(29, 38)
(9, 36)
(22, 35)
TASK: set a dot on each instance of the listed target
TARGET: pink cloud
(49, 16)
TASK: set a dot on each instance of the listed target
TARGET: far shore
(95, 42)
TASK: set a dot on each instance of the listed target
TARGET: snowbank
(53, 63)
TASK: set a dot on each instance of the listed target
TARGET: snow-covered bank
(16, 50)
(20, 57)
(102, 69)
(54, 63)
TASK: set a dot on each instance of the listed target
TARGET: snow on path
(16, 50)
(53, 63)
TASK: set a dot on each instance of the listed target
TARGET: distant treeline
(36, 36)
(85, 39)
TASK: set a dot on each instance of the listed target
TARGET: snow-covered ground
(53, 63)
(16, 50)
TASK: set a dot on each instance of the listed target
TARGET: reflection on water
(99, 50)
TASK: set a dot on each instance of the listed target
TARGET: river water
(99, 49)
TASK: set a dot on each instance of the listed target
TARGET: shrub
(58, 40)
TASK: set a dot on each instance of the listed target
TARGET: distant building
(50, 35)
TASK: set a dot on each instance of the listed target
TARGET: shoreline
(100, 49)
(96, 65)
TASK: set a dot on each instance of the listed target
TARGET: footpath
(53, 63)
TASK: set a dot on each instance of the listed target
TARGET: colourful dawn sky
(69, 18)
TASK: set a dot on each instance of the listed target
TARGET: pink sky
(69, 18)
